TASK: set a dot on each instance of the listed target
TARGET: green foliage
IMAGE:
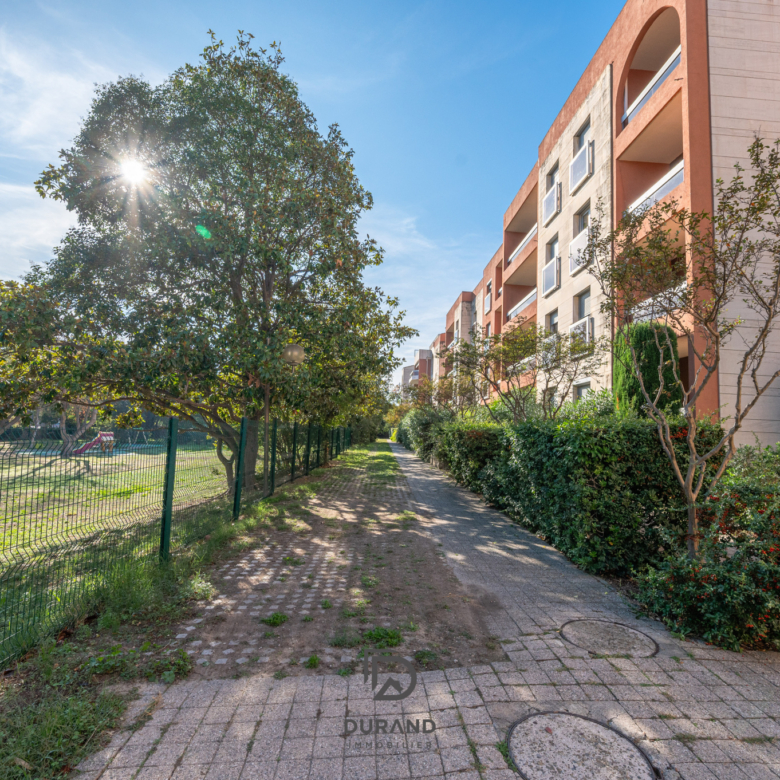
(464, 448)
(425, 657)
(729, 595)
(383, 637)
(419, 429)
(275, 620)
(312, 662)
(52, 734)
(642, 338)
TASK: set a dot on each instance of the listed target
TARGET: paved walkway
(697, 712)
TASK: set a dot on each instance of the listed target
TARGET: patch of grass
(758, 740)
(275, 620)
(382, 637)
(369, 582)
(347, 613)
(345, 671)
(280, 675)
(345, 639)
(307, 619)
(325, 604)
(51, 735)
(685, 737)
(503, 748)
(291, 561)
(269, 635)
(425, 657)
(312, 662)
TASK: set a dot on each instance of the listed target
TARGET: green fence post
(308, 448)
(319, 443)
(170, 478)
(239, 471)
(272, 478)
(294, 451)
(332, 443)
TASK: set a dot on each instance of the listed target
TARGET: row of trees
(216, 224)
(666, 274)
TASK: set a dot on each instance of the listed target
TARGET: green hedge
(730, 595)
(419, 430)
(464, 449)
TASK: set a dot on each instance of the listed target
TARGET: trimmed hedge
(600, 491)
(464, 449)
(419, 430)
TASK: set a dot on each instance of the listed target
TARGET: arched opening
(654, 61)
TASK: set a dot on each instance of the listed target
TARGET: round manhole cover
(606, 638)
(551, 745)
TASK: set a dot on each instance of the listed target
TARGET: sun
(134, 172)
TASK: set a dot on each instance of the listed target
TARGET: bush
(601, 490)
(730, 595)
(419, 429)
(464, 449)
(627, 389)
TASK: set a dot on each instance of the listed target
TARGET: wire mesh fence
(73, 510)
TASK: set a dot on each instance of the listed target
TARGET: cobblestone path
(697, 712)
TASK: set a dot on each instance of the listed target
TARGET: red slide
(101, 437)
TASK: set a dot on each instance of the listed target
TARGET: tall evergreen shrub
(626, 385)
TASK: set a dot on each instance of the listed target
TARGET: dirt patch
(343, 568)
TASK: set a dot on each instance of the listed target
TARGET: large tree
(216, 225)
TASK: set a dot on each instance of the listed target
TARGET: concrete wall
(744, 65)
(598, 107)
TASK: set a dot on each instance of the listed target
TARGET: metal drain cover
(552, 745)
(606, 638)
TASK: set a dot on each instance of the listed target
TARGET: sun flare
(134, 172)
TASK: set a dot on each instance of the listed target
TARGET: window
(551, 273)
(581, 391)
(582, 138)
(582, 305)
(552, 177)
(552, 249)
(552, 321)
(487, 331)
(582, 220)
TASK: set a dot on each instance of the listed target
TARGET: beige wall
(597, 106)
(744, 64)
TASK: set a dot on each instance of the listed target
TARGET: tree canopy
(216, 224)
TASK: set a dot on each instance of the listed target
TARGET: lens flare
(203, 231)
(134, 172)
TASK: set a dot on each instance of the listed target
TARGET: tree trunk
(227, 464)
(84, 421)
(693, 532)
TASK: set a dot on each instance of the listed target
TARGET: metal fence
(70, 513)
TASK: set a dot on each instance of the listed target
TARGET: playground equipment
(104, 438)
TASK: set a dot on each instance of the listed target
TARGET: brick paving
(698, 713)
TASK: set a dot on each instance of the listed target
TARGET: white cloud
(44, 94)
(29, 228)
(427, 274)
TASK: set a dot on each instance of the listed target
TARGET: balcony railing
(576, 248)
(551, 276)
(523, 244)
(666, 70)
(581, 167)
(530, 298)
(488, 302)
(551, 203)
(661, 188)
(582, 331)
(659, 305)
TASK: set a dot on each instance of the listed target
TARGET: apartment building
(669, 102)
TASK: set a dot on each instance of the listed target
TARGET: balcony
(488, 302)
(578, 245)
(581, 167)
(660, 305)
(551, 203)
(523, 244)
(551, 276)
(661, 188)
(530, 298)
(581, 333)
(663, 74)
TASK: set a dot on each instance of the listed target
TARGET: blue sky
(445, 104)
